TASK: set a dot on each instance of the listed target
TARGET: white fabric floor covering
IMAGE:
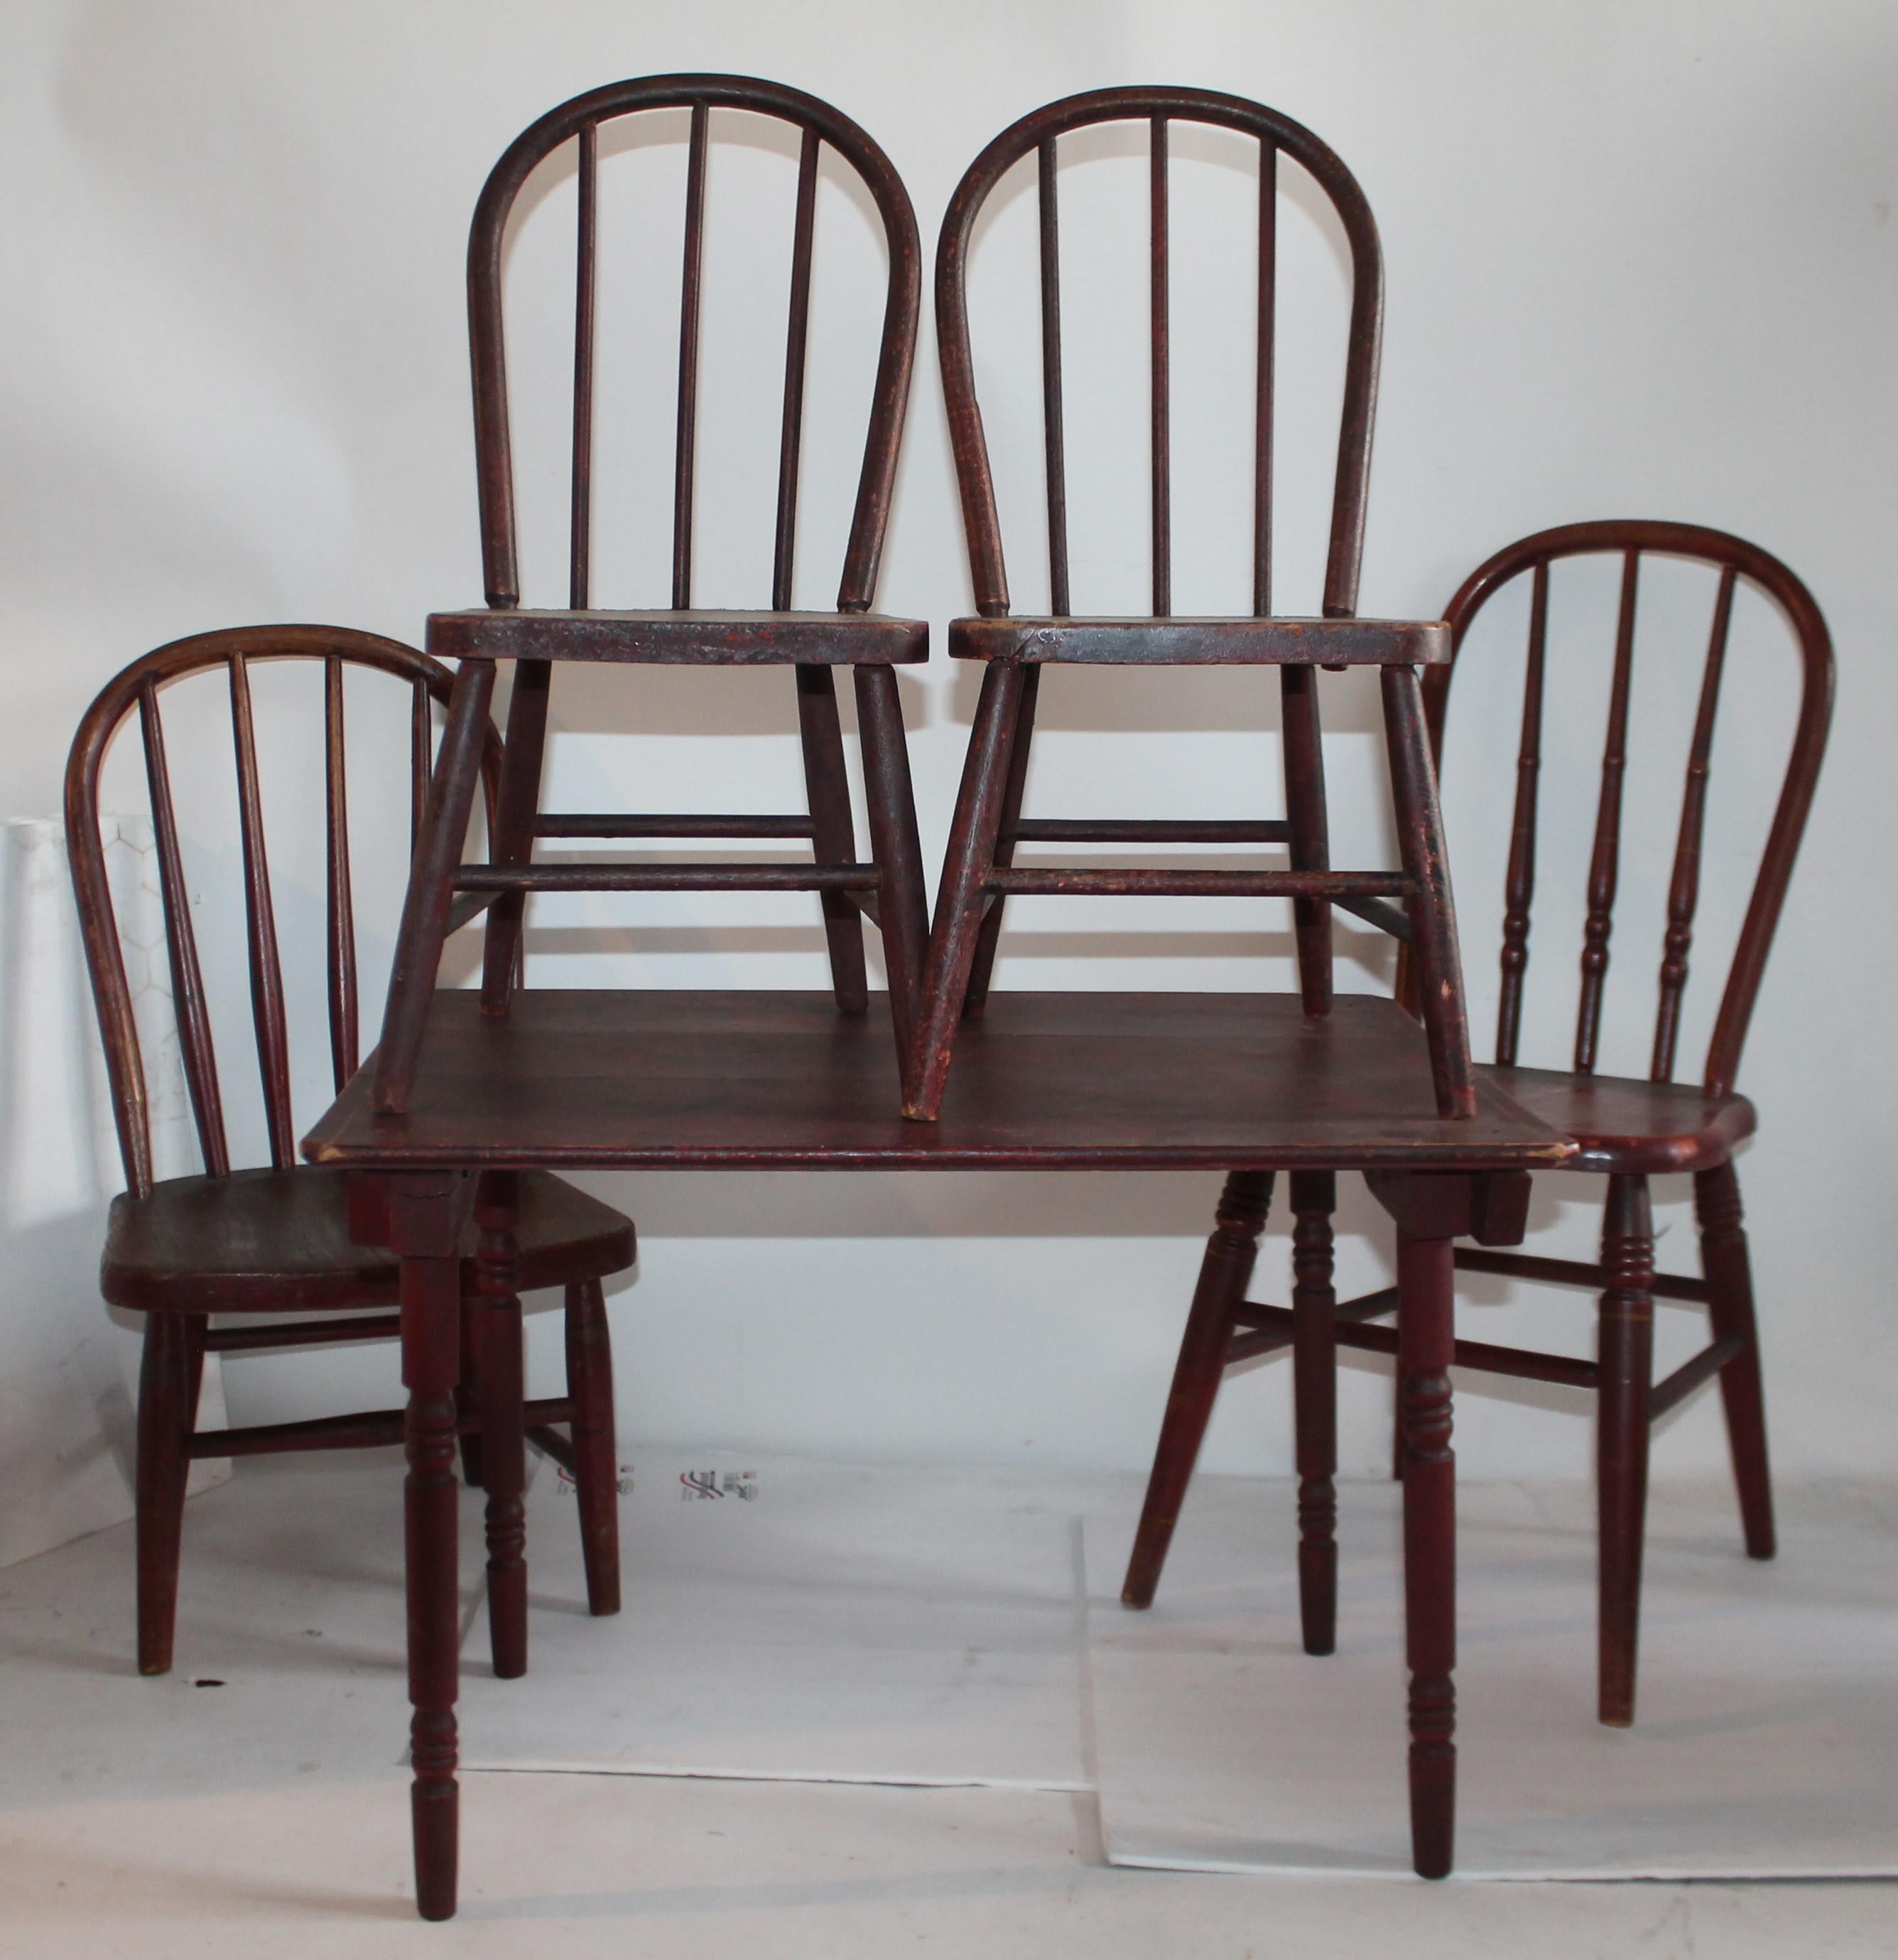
(1767, 1716)
(953, 1626)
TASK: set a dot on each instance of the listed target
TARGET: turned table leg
(424, 1218)
(504, 1447)
(1432, 1210)
(1426, 1277)
(1314, 1365)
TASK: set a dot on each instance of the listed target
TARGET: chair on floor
(979, 872)
(1628, 1129)
(887, 886)
(275, 1241)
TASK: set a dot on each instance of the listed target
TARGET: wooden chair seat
(681, 639)
(1624, 1125)
(277, 1242)
(1202, 642)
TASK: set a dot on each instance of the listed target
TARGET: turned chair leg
(516, 805)
(827, 790)
(1224, 1274)
(1626, 1355)
(1729, 1274)
(970, 856)
(430, 896)
(1310, 837)
(1426, 1333)
(168, 1371)
(984, 964)
(501, 1388)
(596, 1448)
(1433, 919)
(468, 1400)
(902, 904)
(1314, 1366)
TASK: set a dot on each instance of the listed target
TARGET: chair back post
(1735, 559)
(136, 691)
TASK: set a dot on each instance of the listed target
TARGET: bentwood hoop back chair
(275, 1241)
(887, 887)
(1633, 1130)
(979, 871)
(1629, 1130)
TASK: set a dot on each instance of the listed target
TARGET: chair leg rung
(551, 1444)
(1676, 1389)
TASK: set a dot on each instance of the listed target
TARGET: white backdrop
(1641, 263)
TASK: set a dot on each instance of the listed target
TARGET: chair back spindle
(1267, 316)
(1604, 867)
(796, 334)
(585, 295)
(1520, 886)
(137, 692)
(188, 1004)
(260, 927)
(421, 755)
(345, 1023)
(1054, 439)
(1734, 559)
(1159, 339)
(690, 274)
(1683, 892)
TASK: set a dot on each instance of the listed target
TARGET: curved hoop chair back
(1735, 560)
(578, 122)
(1277, 135)
(136, 691)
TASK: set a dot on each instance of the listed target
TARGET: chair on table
(887, 887)
(979, 871)
(1629, 1130)
(276, 1241)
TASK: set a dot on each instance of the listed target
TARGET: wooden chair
(1627, 1130)
(979, 871)
(887, 887)
(276, 1241)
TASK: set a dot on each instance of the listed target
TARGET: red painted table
(655, 1080)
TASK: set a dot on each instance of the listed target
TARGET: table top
(649, 1079)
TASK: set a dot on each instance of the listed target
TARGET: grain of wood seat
(268, 1241)
(1201, 641)
(1626, 1127)
(275, 1241)
(684, 639)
